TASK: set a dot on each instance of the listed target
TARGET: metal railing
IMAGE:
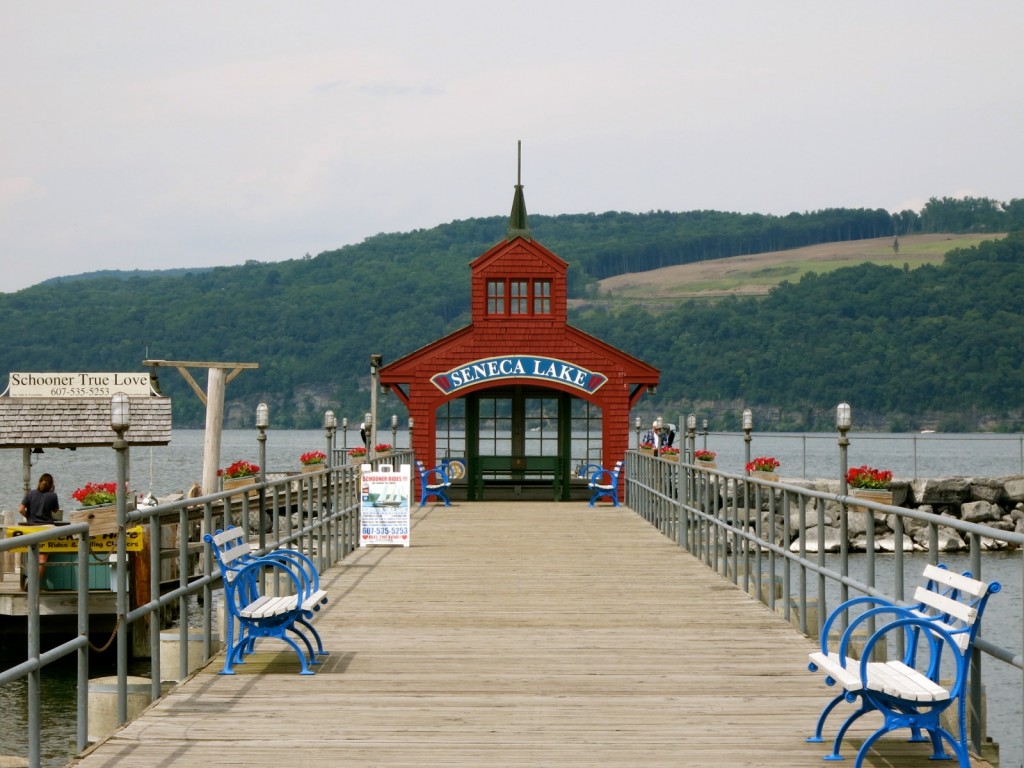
(316, 513)
(770, 539)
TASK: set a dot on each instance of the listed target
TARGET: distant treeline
(939, 346)
(938, 338)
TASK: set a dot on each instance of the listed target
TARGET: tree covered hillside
(906, 347)
(899, 344)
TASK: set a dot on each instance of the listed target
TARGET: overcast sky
(139, 135)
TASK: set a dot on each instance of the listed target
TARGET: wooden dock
(512, 634)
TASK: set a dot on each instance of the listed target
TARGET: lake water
(173, 468)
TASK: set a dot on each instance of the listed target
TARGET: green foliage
(897, 341)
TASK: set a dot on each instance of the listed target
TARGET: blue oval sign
(518, 367)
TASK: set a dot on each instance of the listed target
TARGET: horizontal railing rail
(770, 538)
(316, 513)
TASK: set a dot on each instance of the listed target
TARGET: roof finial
(517, 224)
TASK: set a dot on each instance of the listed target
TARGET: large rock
(948, 539)
(831, 541)
(1014, 488)
(980, 512)
(911, 526)
(948, 490)
(888, 544)
(988, 489)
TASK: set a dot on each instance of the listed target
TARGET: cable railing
(771, 539)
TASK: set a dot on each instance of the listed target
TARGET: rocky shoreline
(996, 503)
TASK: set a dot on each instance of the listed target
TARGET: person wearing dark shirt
(38, 507)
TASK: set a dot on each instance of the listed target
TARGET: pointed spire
(517, 224)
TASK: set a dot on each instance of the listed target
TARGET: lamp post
(262, 422)
(330, 425)
(410, 432)
(748, 426)
(636, 426)
(376, 361)
(691, 434)
(394, 432)
(705, 434)
(844, 420)
(371, 437)
(344, 434)
(656, 429)
(120, 421)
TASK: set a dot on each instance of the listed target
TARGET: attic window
(525, 297)
(495, 297)
(542, 297)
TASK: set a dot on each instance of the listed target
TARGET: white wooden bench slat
(261, 609)
(955, 580)
(945, 605)
(832, 665)
(897, 679)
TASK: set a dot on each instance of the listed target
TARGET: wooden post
(140, 594)
(213, 398)
(214, 424)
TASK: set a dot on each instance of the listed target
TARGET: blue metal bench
(940, 627)
(433, 482)
(260, 615)
(603, 483)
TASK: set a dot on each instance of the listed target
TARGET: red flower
(240, 468)
(868, 477)
(763, 464)
(92, 494)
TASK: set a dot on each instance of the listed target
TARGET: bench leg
(864, 708)
(316, 636)
(816, 738)
(310, 655)
(302, 657)
(232, 656)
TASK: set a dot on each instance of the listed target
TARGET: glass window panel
(495, 297)
(542, 297)
(518, 298)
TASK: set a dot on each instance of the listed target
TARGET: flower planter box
(306, 468)
(101, 518)
(878, 495)
(670, 456)
(238, 482)
(770, 476)
(647, 451)
(707, 464)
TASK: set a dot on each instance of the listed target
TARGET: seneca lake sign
(492, 369)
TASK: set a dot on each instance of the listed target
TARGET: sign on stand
(384, 505)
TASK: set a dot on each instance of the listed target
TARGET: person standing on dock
(38, 508)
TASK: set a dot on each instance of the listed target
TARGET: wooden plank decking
(512, 634)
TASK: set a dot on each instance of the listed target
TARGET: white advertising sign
(78, 384)
(384, 498)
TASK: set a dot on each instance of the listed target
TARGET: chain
(113, 634)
